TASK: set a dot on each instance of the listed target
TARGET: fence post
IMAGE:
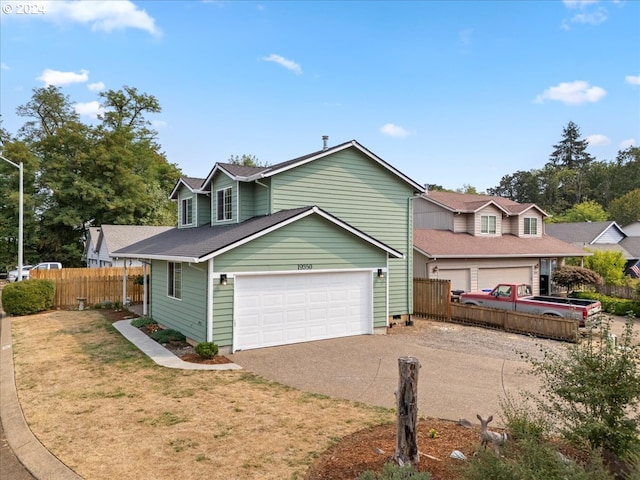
(407, 401)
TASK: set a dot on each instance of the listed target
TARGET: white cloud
(286, 63)
(159, 123)
(629, 142)
(588, 13)
(4, 66)
(632, 79)
(89, 109)
(573, 93)
(96, 87)
(56, 77)
(394, 130)
(598, 140)
(101, 15)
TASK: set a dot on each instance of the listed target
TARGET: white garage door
(274, 310)
(490, 277)
(460, 278)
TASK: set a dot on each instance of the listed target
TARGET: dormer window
(531, 226)
(488, 224)
(224, 204)
(187, 211)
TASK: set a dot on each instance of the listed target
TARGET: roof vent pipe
(325, 139)
(426, 189)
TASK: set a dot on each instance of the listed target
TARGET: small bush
(168, 335)
(207, 349)
(392, 471)
(143, 322)
(612, 305)
(28, 297)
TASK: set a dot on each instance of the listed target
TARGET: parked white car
(13, 274)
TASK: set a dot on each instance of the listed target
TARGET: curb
(27, 448)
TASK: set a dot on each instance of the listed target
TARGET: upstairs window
(174, 280)
(223, 198)
(488, 224)
(187, 211)
(530, 226)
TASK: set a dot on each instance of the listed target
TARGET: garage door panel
(490, 277)
(280, 309)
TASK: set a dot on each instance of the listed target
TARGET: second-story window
(530, 226)
(224, 204)
(488, 224)
(187, 211)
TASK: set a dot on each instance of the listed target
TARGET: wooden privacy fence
(546, 326)
(618, 291)
(432, 298)
(96, 285)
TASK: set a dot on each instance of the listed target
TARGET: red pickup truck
(517, 296)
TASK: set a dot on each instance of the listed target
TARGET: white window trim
(524, 226)
(183, 221)
(172, 294)
(224, 211)
(495, 225)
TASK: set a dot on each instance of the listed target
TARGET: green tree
(521, 187)
(246, 161)
(626, 209)
(92, 175)
(571, 276)
(589, 211)
(608, 264)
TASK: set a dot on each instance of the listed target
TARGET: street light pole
(19, 166)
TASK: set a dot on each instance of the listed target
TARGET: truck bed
(562, 300)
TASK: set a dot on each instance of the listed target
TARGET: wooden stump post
(407, 402)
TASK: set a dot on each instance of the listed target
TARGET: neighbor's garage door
(281, 309)
(490, 277)
(460, 278)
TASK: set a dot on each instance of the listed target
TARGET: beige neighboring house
(478, 241)
(104, 240)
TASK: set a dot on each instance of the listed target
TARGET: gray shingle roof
(577, 232)
(120, 236)
(444, 243)
(198, 244)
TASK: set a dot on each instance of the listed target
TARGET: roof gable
(249, 174)
(472, 203)
(200, 244)
(586, 233)
(191, 183)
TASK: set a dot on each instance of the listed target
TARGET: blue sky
(452, 93)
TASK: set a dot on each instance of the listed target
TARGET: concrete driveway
(455, 380)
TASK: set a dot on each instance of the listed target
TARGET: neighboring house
(312, 248)
(478, 241)
(633, 229)
(103, 241)
(602, 236)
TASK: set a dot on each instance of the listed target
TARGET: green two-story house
(312, 248)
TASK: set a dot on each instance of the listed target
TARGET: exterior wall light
(223, 279)
(380, 273)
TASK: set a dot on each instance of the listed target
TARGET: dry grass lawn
(109, 412)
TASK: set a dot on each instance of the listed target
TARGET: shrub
(28, 296)
(612, 305)
(207, 349)
(392, 471)
(168, 335)
(143, 322)
(591, 391)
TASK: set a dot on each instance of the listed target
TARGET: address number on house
(305, 266)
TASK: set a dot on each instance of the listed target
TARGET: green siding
(311, 240)
(203, 209)
(262, 192)
(219, 182)
(187, 315)
(247, 201)
(364, 194)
